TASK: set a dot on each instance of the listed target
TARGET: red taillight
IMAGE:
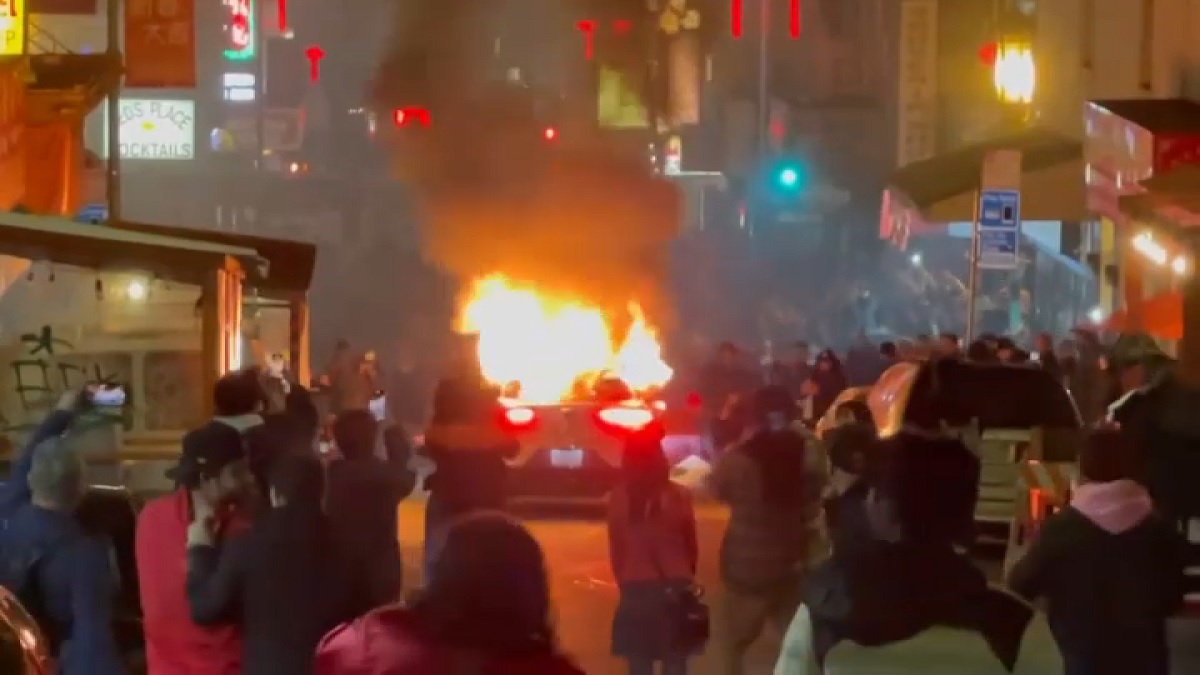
(519, 417)
(625, 418)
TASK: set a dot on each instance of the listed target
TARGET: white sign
(917, 91)
(157, 129)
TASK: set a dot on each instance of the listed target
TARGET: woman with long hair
(773, 482)
(487, 609)
(653, 550)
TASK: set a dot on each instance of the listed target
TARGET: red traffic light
(988, 53)
(550, 133)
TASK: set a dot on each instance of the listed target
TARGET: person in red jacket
(213, 468)
(486, 611)
(653, 550)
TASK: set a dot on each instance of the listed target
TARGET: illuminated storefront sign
(240, 30)
(12, 27)
(157, 129)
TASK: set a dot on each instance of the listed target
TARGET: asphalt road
(585, 597)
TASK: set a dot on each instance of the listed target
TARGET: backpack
(19, 570)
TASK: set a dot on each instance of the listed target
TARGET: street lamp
(1013, 72)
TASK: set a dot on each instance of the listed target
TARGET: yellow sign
(12, 27)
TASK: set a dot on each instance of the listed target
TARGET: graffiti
(45, 367)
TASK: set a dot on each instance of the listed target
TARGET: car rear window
(999, 396)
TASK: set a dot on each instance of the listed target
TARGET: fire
(548, 344)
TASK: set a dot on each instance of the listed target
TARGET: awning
(1171, 199)
(66, 242)
(942, 189)
(1161, 317)
(290, 263)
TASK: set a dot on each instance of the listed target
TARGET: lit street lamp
(1013, 73)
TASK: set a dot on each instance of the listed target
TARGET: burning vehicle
(572, 392)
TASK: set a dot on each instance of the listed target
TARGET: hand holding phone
(108, 396)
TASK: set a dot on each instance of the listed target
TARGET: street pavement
(585, 596)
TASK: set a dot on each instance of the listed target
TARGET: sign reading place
(157, 129)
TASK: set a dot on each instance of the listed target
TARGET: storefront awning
(1171, 199)
(66, 242)
(942, 189)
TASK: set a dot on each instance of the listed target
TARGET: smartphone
(108, 396)
(378, 405)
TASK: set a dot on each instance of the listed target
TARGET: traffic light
(790, 177)
(550, 134)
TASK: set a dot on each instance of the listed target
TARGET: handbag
(689, 615)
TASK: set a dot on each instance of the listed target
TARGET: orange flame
(548, 344)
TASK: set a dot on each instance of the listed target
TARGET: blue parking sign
(999, 235)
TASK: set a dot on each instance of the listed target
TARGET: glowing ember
(548, 344)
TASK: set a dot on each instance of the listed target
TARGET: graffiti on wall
(41, 367)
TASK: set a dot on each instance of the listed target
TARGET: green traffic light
(789, 178)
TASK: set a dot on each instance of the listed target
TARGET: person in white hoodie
(1110, 569)
(909, 602)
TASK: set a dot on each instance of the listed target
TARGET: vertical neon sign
(239, 30)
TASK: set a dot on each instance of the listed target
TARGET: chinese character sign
(239, 29)
(160, 43)
(12, 27)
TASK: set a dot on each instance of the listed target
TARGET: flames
(548, 344)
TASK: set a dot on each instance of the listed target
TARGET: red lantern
(988, 53)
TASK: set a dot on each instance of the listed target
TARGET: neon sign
(239, 30)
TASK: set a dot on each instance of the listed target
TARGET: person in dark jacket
(773, 482)
(468, 447)
(67, 570)
(795, 370)
(850, 447)
(1110, 568)
(828, 380)
(486, 610)
(724, 383)
(361, 498)
(911, 603)
(281, 582)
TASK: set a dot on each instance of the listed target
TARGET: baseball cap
(206, 451)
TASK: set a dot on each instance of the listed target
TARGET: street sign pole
(996, 231)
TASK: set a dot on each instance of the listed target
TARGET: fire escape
(62, 87)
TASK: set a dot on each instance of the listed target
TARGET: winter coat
(904, 609)
(1111, 571)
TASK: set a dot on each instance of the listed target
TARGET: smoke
(572, 216)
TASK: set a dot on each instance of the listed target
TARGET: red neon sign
(314, 54)
(412, 113)
(239, 23)
(588, 28)
(737, 17)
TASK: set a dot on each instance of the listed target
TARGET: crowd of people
(271, 558)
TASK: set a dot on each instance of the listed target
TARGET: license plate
(567, 459)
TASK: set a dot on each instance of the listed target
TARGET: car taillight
(519, 417)
(625, 418)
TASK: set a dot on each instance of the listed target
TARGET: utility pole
(113, 118)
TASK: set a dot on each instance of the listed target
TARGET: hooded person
(486, 610)
(850, 447)
(773, 481)
(911, 603)
(1110, 568)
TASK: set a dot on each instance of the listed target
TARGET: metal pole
(113, 118)
(754, 196)
(260, 85)
(764, 113)
(973, 274)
